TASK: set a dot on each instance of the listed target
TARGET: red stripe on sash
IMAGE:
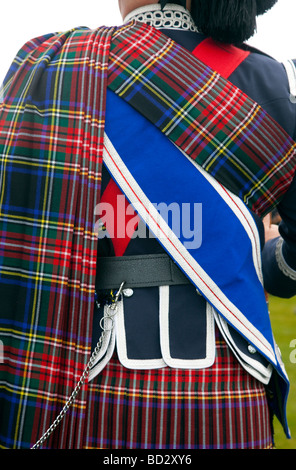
(224, 58)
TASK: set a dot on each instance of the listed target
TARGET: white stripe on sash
(180, 254)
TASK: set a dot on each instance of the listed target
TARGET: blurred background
(276, 35)
(283, 319)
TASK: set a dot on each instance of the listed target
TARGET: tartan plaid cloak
(52, 131)
(51, 142)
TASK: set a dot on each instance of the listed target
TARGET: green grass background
(283, 319)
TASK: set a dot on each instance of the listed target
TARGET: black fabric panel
(187, 323)
(141, 316)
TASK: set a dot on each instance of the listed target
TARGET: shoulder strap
(291, 74)
(223, 58)
(217, 125)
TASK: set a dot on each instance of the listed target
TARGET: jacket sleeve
(279, 254)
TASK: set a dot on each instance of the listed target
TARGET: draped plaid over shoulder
(206, 116)
(52, 131)
(52, 118)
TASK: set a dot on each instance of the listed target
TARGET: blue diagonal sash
(226, 267)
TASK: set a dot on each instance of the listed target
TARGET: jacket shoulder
(265, 80)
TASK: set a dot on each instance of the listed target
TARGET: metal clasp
(111, 311)
(119, 292)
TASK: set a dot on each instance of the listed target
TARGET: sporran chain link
(111, 312)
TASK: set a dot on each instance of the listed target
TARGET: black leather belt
(138, 271)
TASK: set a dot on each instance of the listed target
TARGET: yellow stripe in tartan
(91, 235)
(36, 277)
(4, 88)
(56, 399)
(57, 165)
(122, 28)
(50, 279)
(70, 62)
(42, 112)
(215, 396)
(182, 113)
(41, 222)
(138, 74)
(267, 175)
(12, 132)
(223, 148)
(164, 98)
(143, 69)
(57, 342)
(40, 254)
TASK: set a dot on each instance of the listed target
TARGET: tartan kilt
(221, 407)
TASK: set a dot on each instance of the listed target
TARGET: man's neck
(126, 6)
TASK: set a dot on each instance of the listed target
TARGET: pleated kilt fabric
(221, 407)
(52, 116)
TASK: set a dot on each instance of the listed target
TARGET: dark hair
(229, 21)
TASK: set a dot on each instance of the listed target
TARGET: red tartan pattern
(51, 136)
(221, 407)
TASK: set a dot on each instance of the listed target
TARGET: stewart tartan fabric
(221, 407)
(207, 117)
(52, 113)
(52, 130)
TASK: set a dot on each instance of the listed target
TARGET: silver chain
(111, 312)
